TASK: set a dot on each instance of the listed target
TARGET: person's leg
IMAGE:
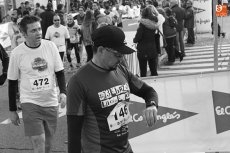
(33, 126)
(76, 49)
(191, 36)
(177, 46)
(143, 66)
(61, 55)
(170, 49)
(181, 41)
(89, 51)
(38, 143)
(50, 126)
(153, 66)
(68, 53)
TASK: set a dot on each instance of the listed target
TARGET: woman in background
(145, 39)
(88, 26)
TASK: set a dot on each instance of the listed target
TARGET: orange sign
(221, 10)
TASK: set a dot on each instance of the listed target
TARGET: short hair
(60, 6)
(28, 20)
(37, 4)
(18, 11)
(27, 2)
(49, 6)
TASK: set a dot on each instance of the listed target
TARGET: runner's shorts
(38, 120)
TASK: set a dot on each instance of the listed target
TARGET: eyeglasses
(56, 20)
(115, 53)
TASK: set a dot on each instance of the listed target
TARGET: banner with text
(193, 115)
(203, 17)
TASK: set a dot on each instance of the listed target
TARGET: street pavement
(198, 59)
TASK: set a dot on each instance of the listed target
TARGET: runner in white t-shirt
(35, 63)
(58, 34)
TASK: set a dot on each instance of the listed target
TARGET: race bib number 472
(41, 83)
(119, 116)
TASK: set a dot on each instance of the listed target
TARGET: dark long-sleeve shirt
(5, 59)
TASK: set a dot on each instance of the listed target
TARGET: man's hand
(62, 99)
(2, 79)
(15, 118)
(150, 115)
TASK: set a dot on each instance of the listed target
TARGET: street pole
(215, 32)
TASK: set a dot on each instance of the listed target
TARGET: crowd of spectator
(171, 20)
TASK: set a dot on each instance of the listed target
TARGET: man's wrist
(151, 103)
(4, 73)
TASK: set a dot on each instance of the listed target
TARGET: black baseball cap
(112, 37)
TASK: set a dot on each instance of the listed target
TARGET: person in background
(35, 63)
(80, 16)
(13, 29)
(74, 32)
(118, 16)
(189, 22)
(146, 44)
(27, 7)
(169, 31)
(88, 26)
(37, 10)
(58, 34)
(47, 19)
(60, 12)
(180, 17)
(99, 92)
(22, 7)
(5, 63)
(95, 7)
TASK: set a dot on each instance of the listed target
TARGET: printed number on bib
(40, 84)
(119, 116)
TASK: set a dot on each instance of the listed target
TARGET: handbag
(162, 35)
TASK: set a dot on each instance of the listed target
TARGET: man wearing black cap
(98, 98)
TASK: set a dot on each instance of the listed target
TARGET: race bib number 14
(119, 116)
(40, 84)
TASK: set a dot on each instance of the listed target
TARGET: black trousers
(76, 50)
(89, 51)
(170, 48)
(62, 55)
(191, 37)
(152, 66)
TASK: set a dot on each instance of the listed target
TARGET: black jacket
(47, 20)
(189, 17)
(180, 16)
(145, 39)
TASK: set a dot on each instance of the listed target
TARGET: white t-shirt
(58, 36)
(35, 68)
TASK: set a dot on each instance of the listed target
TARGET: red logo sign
(221, 10)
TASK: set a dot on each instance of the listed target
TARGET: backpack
(172, 21)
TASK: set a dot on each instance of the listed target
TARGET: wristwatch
(151, 103)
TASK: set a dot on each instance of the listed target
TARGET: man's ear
(23, 33)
